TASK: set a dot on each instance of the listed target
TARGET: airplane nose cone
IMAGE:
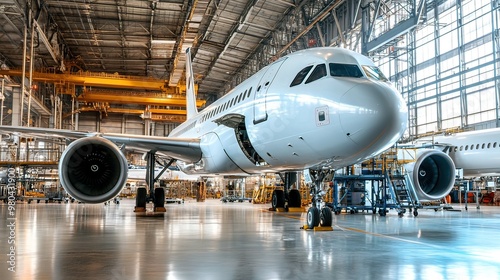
(374, 117)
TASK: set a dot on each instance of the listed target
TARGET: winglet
(190, 95)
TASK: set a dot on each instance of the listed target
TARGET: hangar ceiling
(133, 39)
(140, 38)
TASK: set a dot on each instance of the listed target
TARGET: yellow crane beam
(104, 80)
(134, 99)
(158, 115)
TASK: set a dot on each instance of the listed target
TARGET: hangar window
(300, 76)
(318, 73)
(345, 70)
(374, 72)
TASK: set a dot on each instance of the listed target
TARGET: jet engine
(433, 174)
(93, 170)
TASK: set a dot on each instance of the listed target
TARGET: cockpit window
(345, 70)
(301, 76)
(374, 73)
(317, 73)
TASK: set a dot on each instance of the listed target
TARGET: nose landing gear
(318, 214)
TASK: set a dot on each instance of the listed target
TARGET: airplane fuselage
(476, 152)
(291, 116)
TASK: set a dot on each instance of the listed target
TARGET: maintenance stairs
(402, 189)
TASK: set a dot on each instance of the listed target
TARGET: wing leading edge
(185, 149)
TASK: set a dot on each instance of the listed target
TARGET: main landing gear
(318, 213)
(287, 198)
(156, 195)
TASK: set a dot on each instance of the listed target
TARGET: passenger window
(318, 73)
(489, 144)
(345, 70)
(455, 149)
(239, 97)
(299, 77)
(466, 147)
(471, 147)
(495, 145)
(477, 146)
(249, 92)
(244, 95)
(482, 146)
(461, 148)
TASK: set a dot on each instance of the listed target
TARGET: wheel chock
(306, 227)
(323, 228)
(159, 209)
(280, 209)
(296, 209)
(139, 209)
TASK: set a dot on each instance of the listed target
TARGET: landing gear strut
(318, 213)
(156, 195)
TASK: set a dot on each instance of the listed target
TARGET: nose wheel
(313, 217)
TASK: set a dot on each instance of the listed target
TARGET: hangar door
(260, 107)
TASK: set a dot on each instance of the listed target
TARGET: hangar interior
(118, 66)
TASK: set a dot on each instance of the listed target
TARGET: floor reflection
(212, 240)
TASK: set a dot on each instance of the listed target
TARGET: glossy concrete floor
(212, 240)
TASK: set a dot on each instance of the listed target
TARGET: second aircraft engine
(433, 174)
(93, 170)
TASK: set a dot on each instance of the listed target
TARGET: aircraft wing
(185, 149)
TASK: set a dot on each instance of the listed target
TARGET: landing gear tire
(278, 199)
(159, 197)
(313, 218)
(326, 217)
(382, 212)
(294, 198)
(415, 213)
(140, 198)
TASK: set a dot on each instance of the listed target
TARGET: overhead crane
(126, 98)
(104, 80)
(150, 92)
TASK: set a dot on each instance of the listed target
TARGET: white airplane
(477, 152)
(319, 108)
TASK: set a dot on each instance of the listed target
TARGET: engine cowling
(433, 174)
(93, 170)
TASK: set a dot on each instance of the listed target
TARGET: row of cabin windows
(337, 70)
(230, 103)
(474, 146)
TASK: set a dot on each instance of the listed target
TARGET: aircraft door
(260, 110)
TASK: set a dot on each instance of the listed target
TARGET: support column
(495, 32)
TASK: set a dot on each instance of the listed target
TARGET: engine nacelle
(93, 170)
(433, 174)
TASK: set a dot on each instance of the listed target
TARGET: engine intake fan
(93, 170)
(433, 174)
